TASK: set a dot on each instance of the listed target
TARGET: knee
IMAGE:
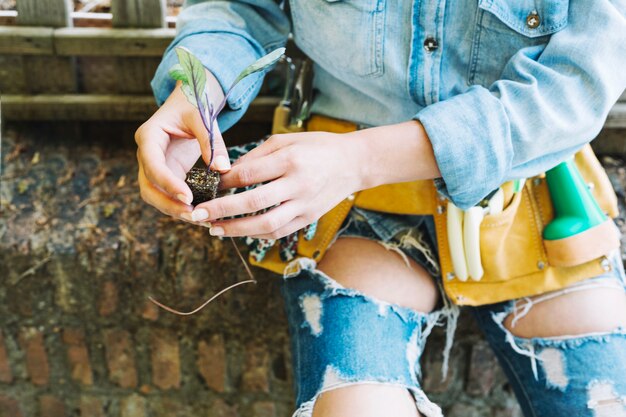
(370, 268)
(593, 308)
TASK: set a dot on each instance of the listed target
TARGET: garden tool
(464, 235)
(294, 108)
(580, 231)
(282, 112)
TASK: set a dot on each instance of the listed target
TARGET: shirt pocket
(504, 27)
(342, 36)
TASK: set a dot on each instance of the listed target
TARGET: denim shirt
(504, 88)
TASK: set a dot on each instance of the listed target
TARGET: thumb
(220, 163)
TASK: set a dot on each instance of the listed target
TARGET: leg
(565, 352)
(357, 336)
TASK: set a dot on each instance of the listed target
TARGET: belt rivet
(441, 209)
(605, 263)
(450, 276)
(541, 265)
(536, 181)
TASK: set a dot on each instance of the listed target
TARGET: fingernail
(199, 214)
(186, 216)
(221, 163)
(182, 197)
(204, 224)
(216, 231)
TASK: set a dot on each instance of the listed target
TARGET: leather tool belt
(513, 253)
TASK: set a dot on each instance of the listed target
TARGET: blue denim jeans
(340, 336)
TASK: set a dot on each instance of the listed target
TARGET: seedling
(192, 74)
(204, 182)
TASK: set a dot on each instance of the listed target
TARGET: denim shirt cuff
(470, 136)
(211, 48)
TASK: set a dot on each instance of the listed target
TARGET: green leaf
(260, 64)
(188, 92)
(177, 73)
(194, 76)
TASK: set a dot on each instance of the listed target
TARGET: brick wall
(80, 253)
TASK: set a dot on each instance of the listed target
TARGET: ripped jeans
(341, 337)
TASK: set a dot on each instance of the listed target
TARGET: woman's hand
(307, 174)
(167, 149)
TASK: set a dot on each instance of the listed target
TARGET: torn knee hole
(365, 266)
(586, 308)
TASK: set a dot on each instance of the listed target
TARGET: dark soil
(203, 184)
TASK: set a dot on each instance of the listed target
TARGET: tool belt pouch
(514, 255)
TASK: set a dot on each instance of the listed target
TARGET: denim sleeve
(226, 36)
(548, 102)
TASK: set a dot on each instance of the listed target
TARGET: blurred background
(80, 252)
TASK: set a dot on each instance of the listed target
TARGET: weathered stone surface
(91, 407)
(6, 375)
(120, 358)
(133, 406)
(32, 343)
(212, 362)
(9, 407)
(80, 250)
(51, 406)
(78, 356)
(165, 359)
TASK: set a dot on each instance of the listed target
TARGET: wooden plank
(47, 74)
(617, 117)
(610, 142)
(84, 107)
(12, 79)
(112, 42)
(138, 13)
(55, 13)
(26, 40)
(50, 75)
(133, 75)
(80, 19)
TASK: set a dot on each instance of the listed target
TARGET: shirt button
(430, 44)
(533, 20)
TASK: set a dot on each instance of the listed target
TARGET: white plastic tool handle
(471, 237)
(455, 241)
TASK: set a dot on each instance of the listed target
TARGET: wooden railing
(50, 69)
(56, 64)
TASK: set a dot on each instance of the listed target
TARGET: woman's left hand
(305, 176)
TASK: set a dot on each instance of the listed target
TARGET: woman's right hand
(169, 144)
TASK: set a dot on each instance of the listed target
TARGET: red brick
(150, 311)
(9, 407)
(220, 409)
(212, 362)
(78, 356)
(483, 370)
(511, 410)
(169, 407)
(91, 407)
(165, 359)
(256, 374)
(120, 358)
(51, 406)
(5, 367)
(264, 409)
(133, 406)
(108, 299)
(32, 343)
